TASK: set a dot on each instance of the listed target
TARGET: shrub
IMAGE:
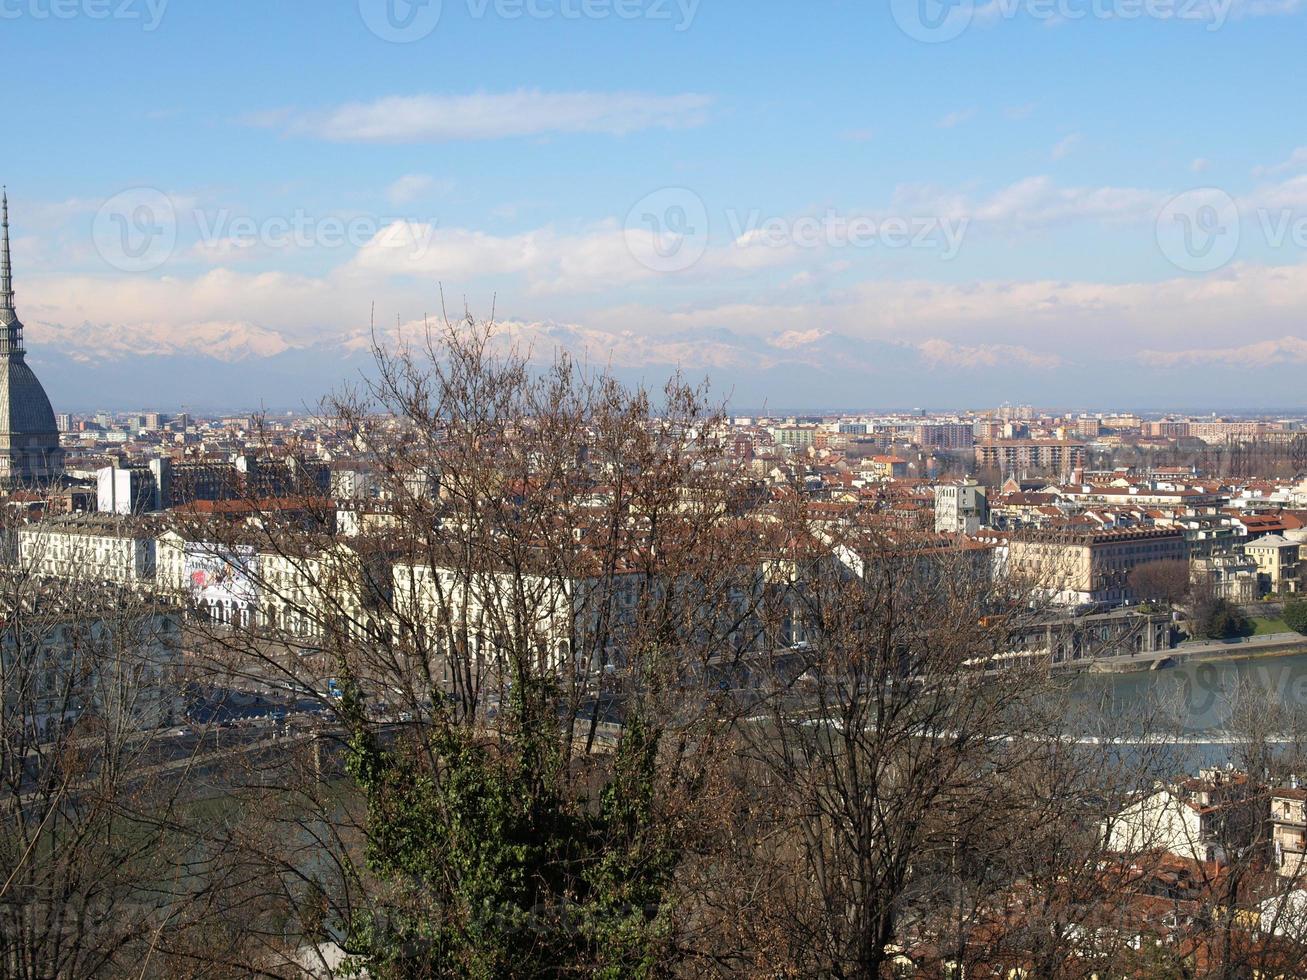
(1220, 619)
(1295, 614)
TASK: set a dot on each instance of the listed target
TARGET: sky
(835, 204)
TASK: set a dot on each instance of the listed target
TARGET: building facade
(88, 547)
(1060, 457)
(1277, 563)
(960, 508)
(1073, 566)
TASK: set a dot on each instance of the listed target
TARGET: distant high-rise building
(29, 439)
(943, 435)
(64, 422)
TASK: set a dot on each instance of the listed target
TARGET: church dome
(24, 406)
(29, 438)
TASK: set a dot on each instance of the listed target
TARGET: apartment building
(944, 435)
(1074, 566)
(1211, 817)
(1060, 457)
(121, 670)
(795, 436)
(885, 467)
(1277, 561)
(1289, 830)
(89, 547)
(1221, 432)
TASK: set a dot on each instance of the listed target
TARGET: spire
(6, 269)
(11, 329)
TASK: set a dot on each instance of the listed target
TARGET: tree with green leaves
(1216, 618)
(1295, 615)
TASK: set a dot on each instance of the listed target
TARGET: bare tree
(1166, 582)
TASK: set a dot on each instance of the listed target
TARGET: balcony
(1296, 844)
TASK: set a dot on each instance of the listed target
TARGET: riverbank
(1265, 645)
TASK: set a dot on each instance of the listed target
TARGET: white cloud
(1290, 195)
(1201, 165)
(412, 187)
(1071, 318)
(988, 324)
(1264, 353)
(1297, 160)
(1035, 202)
(797, 338)
(418, 249)
(486, 116)
(1065, 146)
(956, 118)
(943, 353)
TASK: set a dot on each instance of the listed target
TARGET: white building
(121, 670)
(960, 508)
(1201, 818)
(1285, 915)
(560, 618)
(1289, 830)
(88, 547)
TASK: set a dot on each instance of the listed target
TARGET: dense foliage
(1295, 614)
(502, 864)
(1220, 619)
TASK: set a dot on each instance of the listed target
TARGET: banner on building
(223, 575)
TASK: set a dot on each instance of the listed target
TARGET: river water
(1205, 709)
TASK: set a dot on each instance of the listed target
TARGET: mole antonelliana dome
(29, 439)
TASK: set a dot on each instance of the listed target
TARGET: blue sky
(1076, 200)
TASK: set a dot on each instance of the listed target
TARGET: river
(1204, 709)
